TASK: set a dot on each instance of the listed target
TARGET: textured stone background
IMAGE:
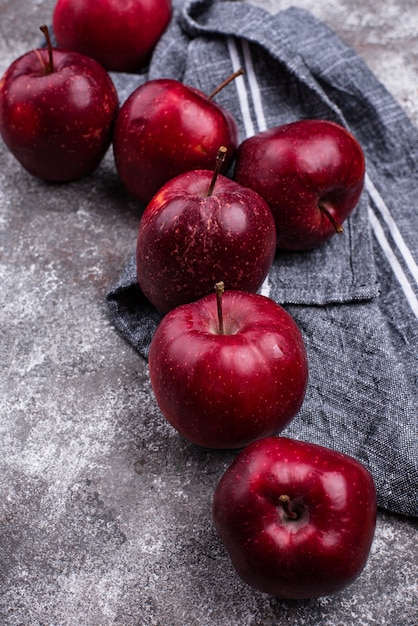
(104, 510)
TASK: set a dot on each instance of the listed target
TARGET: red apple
(297, 519)
(228, 371)
(166, 128)
(57, 111)
(199, 228)
(311, 174)
(120, 35)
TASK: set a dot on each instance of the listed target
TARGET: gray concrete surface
(104, 510)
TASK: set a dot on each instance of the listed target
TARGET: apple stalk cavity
(285, 503)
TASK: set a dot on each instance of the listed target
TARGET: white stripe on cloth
(254, 88)
(265, 288)
(241, 90)
(394, 231)
(393, 261)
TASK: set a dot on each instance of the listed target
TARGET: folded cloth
(354, 298)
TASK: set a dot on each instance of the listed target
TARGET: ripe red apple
(297, 519)
(120, 35)
(310, 173)
(227, 371)
(166, 128)
(199, 228)
(57, 111)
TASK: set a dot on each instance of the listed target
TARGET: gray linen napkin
(355, 298)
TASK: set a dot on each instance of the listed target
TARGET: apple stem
(225, 83)
(49, 67)
(337, 226)
(220, 288)
(220, 158)
(285, 502)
